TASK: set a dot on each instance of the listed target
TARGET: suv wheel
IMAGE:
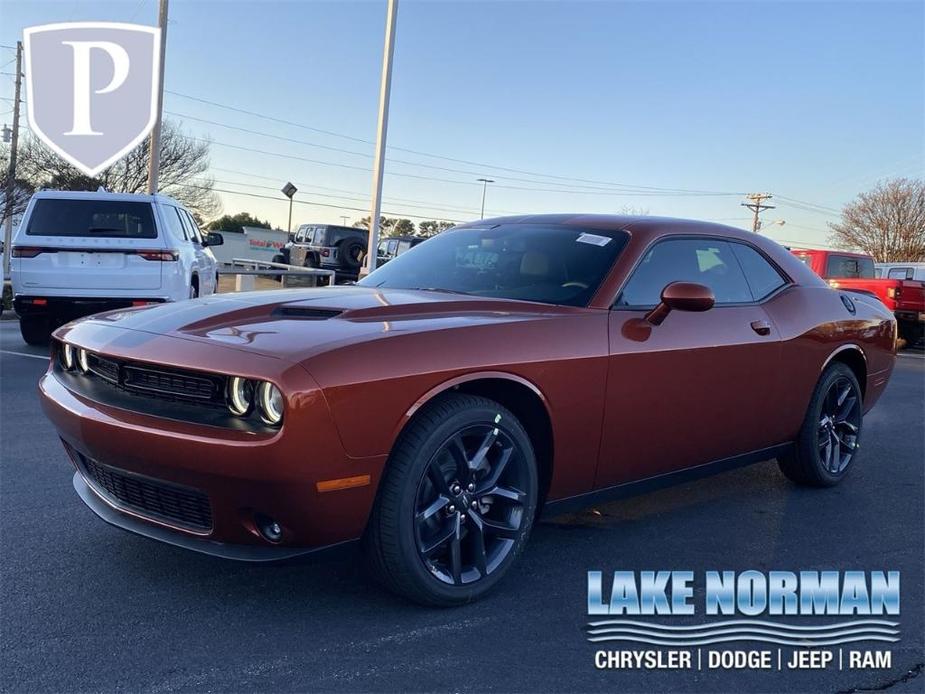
(831, 432)
(456, 504)
(35, 330)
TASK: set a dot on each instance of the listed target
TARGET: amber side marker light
(342, 483)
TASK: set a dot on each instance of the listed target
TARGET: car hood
(296, 324)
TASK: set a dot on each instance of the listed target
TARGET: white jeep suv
(77, 253)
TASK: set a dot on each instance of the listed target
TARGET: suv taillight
(26, 251)
(326, 252)
(159, 255)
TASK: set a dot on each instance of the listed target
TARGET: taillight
(27, 251)
(893, 292)
(325, 252)
(165, 256)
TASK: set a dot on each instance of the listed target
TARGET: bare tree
(887, 222)
(22, 189)
(183, 171)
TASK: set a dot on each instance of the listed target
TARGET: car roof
(103, 195)
(639, 225)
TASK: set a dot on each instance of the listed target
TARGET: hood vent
(305, 312)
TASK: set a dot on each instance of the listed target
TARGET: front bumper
(244, 475)
(251, 553)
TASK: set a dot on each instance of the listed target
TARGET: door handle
(762, 327)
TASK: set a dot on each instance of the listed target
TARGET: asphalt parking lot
(85, 607)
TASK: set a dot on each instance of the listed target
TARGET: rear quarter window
(849, 267)
(92, 218)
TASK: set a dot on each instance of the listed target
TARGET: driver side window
(709, 262)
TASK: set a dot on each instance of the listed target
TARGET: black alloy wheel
(830, 435)
(470, 504)
(839, 425)
(456, 502)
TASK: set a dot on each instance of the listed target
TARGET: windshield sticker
(593, 239)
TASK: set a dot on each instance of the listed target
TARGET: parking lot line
(24, 354)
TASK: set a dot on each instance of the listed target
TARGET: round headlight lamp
(240, 395)
(67, 356)
(270, 401)
(83, 360)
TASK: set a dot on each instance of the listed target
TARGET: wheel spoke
(435, 474)
(836, 453)
(456, 556)
(506, 493)
(845, 408)
(477, 531)
(490, 527)
(496, 471)
(458, 452)
(479, 459)
(437, 541)
(438, 504)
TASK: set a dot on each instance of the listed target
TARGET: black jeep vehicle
(392, 246)
(329, 247)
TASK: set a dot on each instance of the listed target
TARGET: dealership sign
(92, 89)
(869, 599)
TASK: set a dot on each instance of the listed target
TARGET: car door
(297, 250)
(700, 386)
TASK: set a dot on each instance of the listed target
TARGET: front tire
(456, 503)
(830, 436)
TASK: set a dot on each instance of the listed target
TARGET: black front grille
(104, 368)
(173, 504)
(168, 383)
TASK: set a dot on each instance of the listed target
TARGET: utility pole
(757, 206)
(11, 174)
(385, 89)
(484, 182)
(154, 151)
(345, 218)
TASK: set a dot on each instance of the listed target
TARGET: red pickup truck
(855, 272)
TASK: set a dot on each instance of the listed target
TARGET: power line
(431, 166)
(438, 156)
(319, 204)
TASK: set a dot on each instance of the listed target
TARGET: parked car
(393, 246)
(900, 271)
(77, 253)
(329, 247)
(503, 367)
(855, 272)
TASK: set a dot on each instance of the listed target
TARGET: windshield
(109, 218)
(544, 263)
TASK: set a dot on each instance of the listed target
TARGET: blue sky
(812, 101)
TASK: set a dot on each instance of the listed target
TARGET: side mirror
(681, 296)
(214, 239)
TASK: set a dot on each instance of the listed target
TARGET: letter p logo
(92, 89)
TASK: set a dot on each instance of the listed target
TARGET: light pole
(289, 191)
(764, 225)
(484, 182)
(154, 147)
(385, 87)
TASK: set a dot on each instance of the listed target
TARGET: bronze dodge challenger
(507, 365)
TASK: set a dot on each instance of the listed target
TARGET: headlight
(270, 401)
(82, 360)
(240, 394)
(67, 356)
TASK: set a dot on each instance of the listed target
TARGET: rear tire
(456, 503)
(35, 330)
(830, 436)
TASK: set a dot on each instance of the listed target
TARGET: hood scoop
(305, 312)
